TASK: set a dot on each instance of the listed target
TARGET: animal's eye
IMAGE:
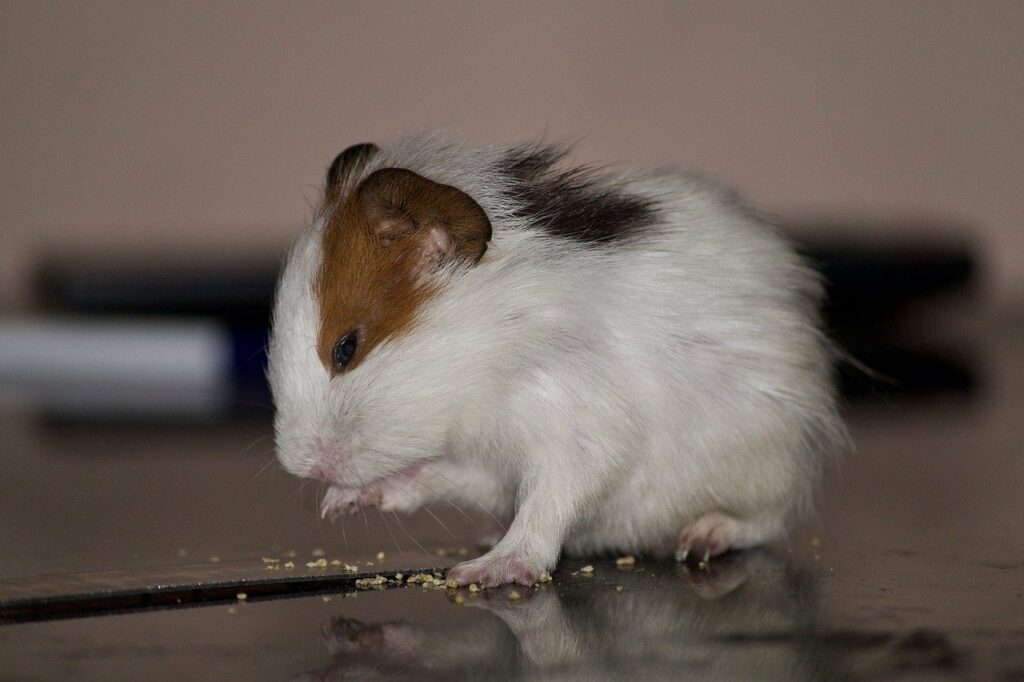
(344, 349)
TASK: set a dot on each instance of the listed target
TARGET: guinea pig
(613, 363)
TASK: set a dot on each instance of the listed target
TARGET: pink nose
(317, 471)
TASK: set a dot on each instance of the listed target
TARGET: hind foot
(717, 533)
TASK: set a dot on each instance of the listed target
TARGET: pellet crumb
(289, 565)
(375, 581)
(380, 556)
(270, 567)
(319, 563)
(241, 596)
(268, 560)
(545, 577)
(350, 568)
(514, 596)
(369, 563)
(473, 587)
(335, 562)
(326, 598)
(451, 584)
(317, 551)
(424, 578)
(587, 569)
(618, 588)
(437, 575)
(398, 577)
(702, 565)
(460, 600)
(624, 561)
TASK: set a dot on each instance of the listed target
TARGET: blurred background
(159, 157)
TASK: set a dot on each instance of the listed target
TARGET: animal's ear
(439, 222)
(345, 165)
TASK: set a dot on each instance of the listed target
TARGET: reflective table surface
(162, 552)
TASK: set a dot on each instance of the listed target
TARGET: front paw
(345, 501)
(493, 569)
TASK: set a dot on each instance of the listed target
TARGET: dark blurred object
(871, 286)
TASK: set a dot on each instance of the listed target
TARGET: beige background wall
(204, 128)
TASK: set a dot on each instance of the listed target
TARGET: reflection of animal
(744, 620)
(622, 363)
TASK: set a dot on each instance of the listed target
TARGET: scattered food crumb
(587, 569)
(424, 578)
(451, 584)
(398, 577)
(463, 551)
(326, 598)
(268, 560)
(441, 552)
(514, 596)
(702, 565)
(270, 567)
(369, 563)
(335, 562)
(437, 575)
(460, 600)
(618, 588)
(624, 561)
(317, 551)
(375, 581)
(241, 596)
(231, 610)
(289, 565)
(290, 554)
(545, 577)
(350, 568)
(473, 587)
(380, 556)
(276, 567)
(319, 563)
(214, 559)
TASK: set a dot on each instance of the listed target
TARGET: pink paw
(491, 571)
(708, 536)
(344, 501)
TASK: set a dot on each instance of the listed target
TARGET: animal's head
(357, 384)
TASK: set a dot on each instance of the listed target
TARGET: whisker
(427, 509)
(257, 475)
(402, 528)
(390, 532)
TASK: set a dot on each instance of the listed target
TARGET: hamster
(611, 363)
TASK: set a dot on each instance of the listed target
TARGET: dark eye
(344, 349)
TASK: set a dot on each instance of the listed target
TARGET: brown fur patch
(382, 246)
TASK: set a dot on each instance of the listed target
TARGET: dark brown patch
(345, 166)
(382, 246)
(573, 203)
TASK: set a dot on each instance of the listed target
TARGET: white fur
(608, 395)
